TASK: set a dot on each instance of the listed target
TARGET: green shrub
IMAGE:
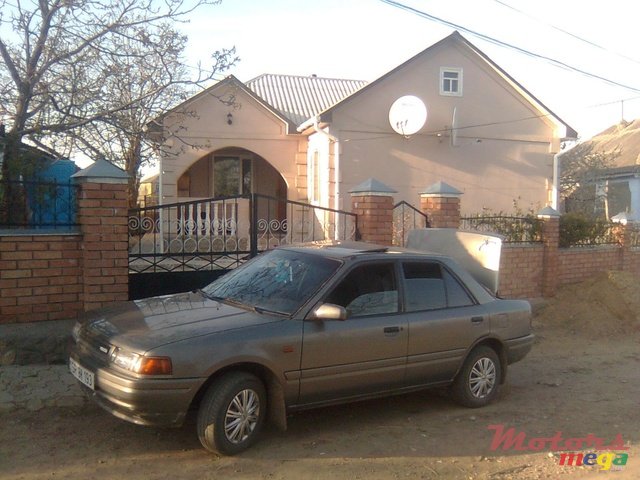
(578, 229)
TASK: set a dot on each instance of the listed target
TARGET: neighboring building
(149, 190)
(615, 190)
(313, 139)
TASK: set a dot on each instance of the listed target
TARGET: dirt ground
(582, 377)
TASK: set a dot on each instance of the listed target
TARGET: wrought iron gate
(406, 218)
(221, 233)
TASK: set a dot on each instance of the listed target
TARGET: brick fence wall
(56, 276)
(40, 277)
(536, 269)
(53, 276)
(521, 271)
(577, 264)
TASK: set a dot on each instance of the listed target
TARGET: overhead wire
(566, 32)
(500, 43)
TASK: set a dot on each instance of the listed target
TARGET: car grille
(94, 347)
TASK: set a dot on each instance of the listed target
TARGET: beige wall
(504, 149)
(504, 159)
(254, 128)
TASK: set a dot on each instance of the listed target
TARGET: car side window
(457, 296)
(429, 286)
(424, 286)
(367, 290)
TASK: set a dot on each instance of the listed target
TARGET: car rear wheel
(477, 382)
(232, 413)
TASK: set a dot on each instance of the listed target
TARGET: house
(458, 118)
(42, 195)
(613, 191)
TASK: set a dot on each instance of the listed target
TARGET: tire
(232, 413)
(477, 382)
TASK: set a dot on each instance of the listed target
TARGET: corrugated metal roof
(300, 98)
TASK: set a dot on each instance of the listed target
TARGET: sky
(364, 39)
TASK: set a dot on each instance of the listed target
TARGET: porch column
(440, 202)
(372, 201)
(551, 242)
(102, 216)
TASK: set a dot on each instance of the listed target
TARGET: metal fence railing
(223, 232)
(514, 229)
(406, 217)
(38, 204)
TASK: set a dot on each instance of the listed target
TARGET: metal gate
(196, 241)
(406, 218)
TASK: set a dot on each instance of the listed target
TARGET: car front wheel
(232, 413)
(477, 382)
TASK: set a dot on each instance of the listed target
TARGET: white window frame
(449, 93)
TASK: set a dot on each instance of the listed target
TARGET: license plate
(83, 375)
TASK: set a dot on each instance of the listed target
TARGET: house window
(451, 81)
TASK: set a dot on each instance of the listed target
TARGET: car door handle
(392, 329)
(477, 319)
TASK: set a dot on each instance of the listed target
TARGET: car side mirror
(329, 311)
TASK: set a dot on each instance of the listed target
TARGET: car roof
(342, 249)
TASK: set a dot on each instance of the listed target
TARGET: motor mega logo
(598, 453)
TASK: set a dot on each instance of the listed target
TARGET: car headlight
(140, 364)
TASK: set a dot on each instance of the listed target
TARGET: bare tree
(149, 76)
(63, 60)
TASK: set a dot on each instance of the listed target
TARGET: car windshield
(278, 281)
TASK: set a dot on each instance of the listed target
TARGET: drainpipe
(336, 169)
(554, 188)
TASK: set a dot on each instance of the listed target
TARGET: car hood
(152, 322)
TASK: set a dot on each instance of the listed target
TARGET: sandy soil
(582, 377)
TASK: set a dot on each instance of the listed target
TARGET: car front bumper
(160, 402)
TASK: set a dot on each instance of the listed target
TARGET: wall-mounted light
(229, 118)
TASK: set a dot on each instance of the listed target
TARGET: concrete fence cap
(372, 187)
(441, 189)
(102, 171)
(548, 212)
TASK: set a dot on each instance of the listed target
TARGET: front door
(364, 354)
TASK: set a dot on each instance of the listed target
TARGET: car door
(443, 321)
(364, 354)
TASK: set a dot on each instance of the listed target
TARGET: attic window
(451, 81)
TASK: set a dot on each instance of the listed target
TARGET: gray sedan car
(297, 328)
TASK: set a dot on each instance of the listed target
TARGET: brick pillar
(551, 241)
(102, 215)
(441, 204)
(372, 201)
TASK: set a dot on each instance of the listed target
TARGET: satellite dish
(407, 115)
